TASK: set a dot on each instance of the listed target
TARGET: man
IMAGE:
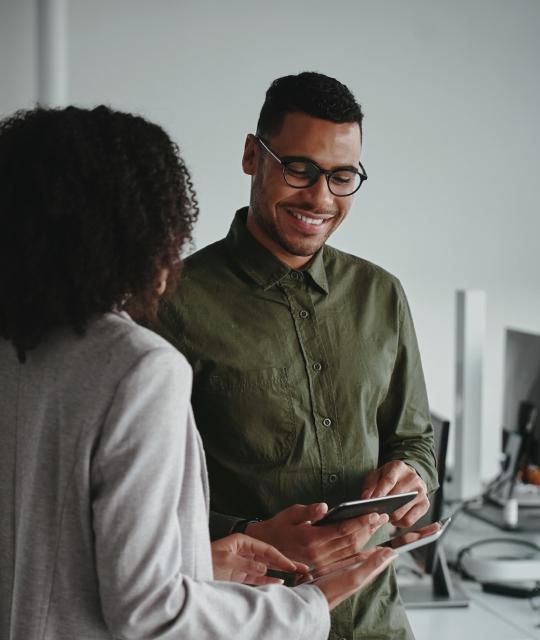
(308, 385)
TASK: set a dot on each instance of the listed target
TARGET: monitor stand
(437, 592)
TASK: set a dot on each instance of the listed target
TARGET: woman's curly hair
(93, 205)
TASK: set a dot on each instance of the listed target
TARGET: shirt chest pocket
(365, 355)
(245, 415)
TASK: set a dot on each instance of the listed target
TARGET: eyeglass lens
(301, 174)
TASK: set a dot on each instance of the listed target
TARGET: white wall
(452, 132)
(17, 55)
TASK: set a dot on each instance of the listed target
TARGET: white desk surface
(488, 616)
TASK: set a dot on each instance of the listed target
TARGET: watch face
(241, 525)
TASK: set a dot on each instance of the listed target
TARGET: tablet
(384, 504)
(414, 539)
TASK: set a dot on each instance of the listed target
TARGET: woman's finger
(251, 547)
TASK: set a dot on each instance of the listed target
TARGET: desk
(489, 616)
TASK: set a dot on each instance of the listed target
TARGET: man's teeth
(315, 221)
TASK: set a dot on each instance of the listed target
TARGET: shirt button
(304, 314)
(317, 366)
(327, 422)
(295, 275)
(332, 478)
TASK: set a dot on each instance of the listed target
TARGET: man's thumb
(299, 513)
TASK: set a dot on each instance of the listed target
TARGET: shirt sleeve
(145, 503)
(221, 524)
(403, 417)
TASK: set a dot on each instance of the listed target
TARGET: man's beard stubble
(271, 230)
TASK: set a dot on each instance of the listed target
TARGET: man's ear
(249, 159)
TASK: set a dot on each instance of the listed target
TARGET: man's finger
(411, 516)
(387, 483)
(382, 488)
(299, 513)
(368, 523)
(421, 499)
(361, 529)
(394, 477)
(370, 482)
(330, 537)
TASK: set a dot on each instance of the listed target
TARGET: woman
(103, 497)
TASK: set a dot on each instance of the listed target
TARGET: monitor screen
(522, 388)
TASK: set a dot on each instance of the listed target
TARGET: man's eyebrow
(348, 167)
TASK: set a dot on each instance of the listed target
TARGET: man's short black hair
(311, 93)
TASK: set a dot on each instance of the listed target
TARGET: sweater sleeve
(150, 525)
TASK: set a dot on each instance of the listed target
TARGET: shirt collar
(317, 271)
(260, 264)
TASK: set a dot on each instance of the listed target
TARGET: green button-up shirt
(303, 382)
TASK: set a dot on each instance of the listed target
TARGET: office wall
(452, 133)
(17, 55)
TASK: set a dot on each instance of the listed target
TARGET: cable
(458, 565)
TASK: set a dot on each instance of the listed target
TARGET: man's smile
(307, 221)
(298, 216)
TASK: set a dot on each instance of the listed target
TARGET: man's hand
(292, 533)
(239, 558)
(398, 477)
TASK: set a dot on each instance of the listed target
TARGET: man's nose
(320, 194)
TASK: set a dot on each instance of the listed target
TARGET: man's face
(294, 223)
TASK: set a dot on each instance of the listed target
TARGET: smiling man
(308, 387)
(292, 211)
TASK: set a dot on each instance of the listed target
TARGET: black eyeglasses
(301, 173)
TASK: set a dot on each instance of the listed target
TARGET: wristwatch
(241, 525)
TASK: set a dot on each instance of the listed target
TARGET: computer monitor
(425, 556)
(521, 436)
(521, 409)
(439, 591)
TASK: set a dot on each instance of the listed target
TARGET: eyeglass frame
(327, 173)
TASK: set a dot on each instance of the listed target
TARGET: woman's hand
(240, 558)
(343, 582)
